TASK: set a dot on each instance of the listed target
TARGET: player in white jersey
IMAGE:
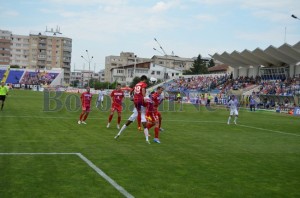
(233, 105)
(100, 97)
(132, 118)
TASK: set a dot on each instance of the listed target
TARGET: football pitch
(45, 153)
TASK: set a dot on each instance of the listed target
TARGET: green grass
(200, 155)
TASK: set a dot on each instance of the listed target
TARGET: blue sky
(186, 27)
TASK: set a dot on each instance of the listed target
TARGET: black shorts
(2, 97)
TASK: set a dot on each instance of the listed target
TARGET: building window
(120, 71)
(158, 72)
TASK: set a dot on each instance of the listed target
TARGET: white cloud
(9, 13)
(205, 18)
(89, 2)
(163, 6)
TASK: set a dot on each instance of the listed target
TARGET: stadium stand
(36, 77)
(14, 76)
(2, 74)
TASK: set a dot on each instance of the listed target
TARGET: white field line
(88, 162)
(105, 176)
(193, 121)
(262, 129)
(285, 133)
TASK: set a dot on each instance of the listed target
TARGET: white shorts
(100, 98)
(135, 114)
(234, 112)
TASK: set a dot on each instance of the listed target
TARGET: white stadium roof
(271, 56)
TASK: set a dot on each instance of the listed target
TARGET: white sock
(146, 134)
(235, 119)
(122, 129)
(229, 119)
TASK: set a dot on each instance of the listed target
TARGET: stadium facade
(271, 64)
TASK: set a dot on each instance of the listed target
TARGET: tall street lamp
(88, 60)
(294, 16)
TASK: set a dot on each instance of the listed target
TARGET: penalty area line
(90, 164)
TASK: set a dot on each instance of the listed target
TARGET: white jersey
(233, 105)
(101, 94)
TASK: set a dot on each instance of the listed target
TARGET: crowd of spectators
(197, 83)
(242, 82)
(38, 78)
(288, 87)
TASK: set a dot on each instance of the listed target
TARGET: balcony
(67, 49)
(42, 46)
(68, 60)
(43, 41)
(41, 57)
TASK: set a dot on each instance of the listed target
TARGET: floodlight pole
(88, 60)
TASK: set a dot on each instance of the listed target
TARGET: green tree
(211, 63)
(75, 83)
(198, 67)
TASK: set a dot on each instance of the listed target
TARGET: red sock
(156, 130)
(85, 117)
(159, 122)
(139, 119)
(81, 115)
(110, 118)
(119, 119)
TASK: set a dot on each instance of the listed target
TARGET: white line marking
(268, 130)
(106, 177)
(38, 153)
(88, 162)
(285, 133)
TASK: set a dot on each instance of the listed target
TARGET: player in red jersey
(86, 98)
(117, 96)
(152, 114)
(161, 99)
(139, 92)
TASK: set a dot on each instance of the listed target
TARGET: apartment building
(125, 58)
(129, 58)
(125, 74)
(173, 62)
(5, 47)
(84, 76)
(48, 51)
(20, 51)
(39, 51)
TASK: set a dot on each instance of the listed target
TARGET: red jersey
(86, 99)
(153, 102)
(138, 94)
(117, 97)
